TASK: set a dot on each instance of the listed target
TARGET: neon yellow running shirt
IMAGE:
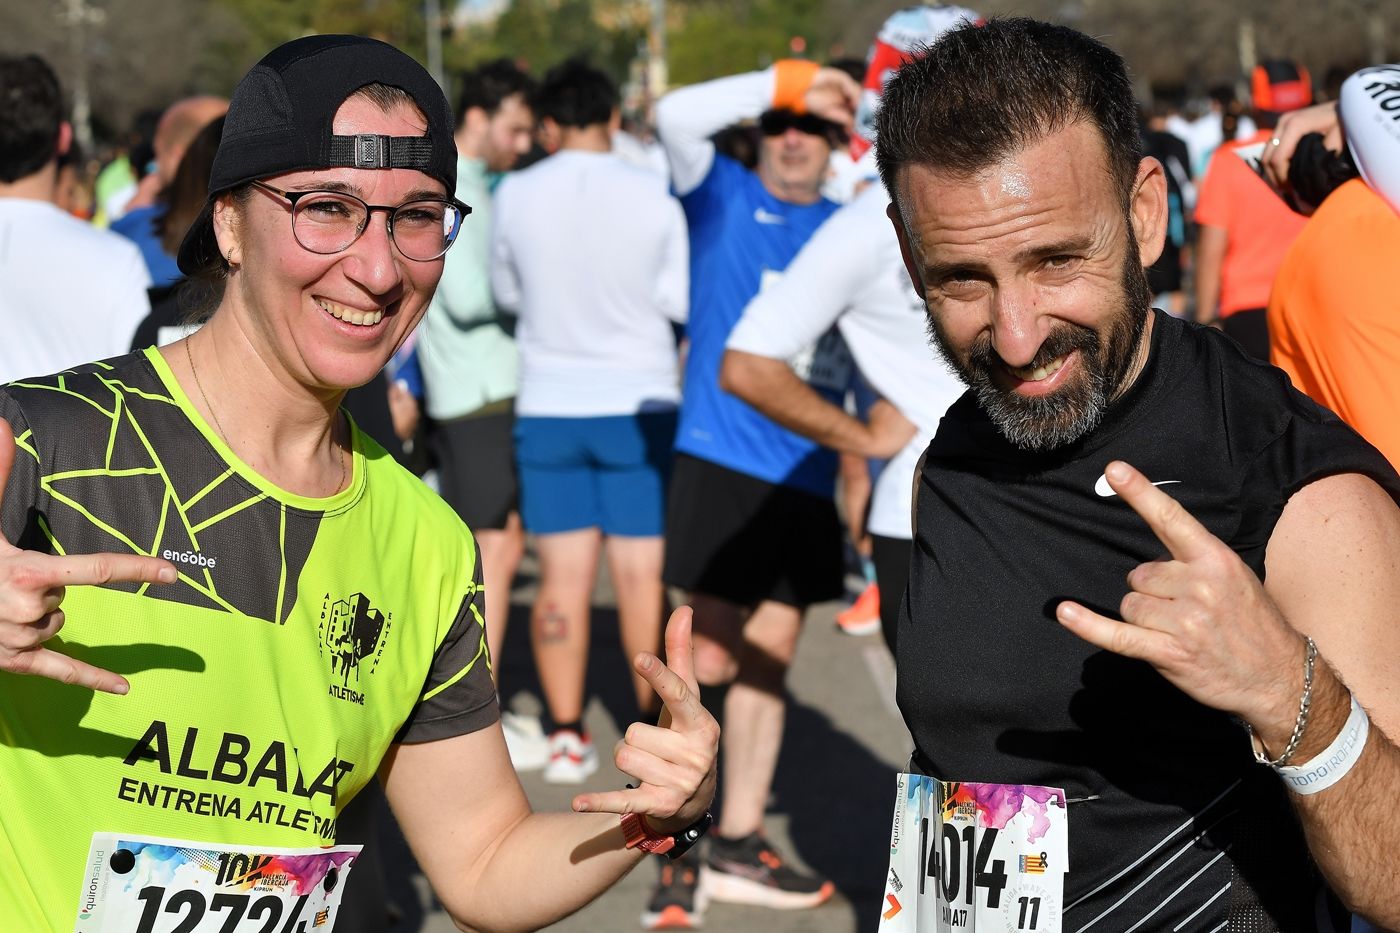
(303, 637)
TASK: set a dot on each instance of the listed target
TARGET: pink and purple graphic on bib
(238, 871)
(996, 805)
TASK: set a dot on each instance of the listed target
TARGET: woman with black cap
(262, 609)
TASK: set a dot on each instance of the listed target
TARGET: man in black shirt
(1076, 622)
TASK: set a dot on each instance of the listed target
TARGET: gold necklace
(189, 355)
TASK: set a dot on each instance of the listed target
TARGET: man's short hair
(490, 85)
(982, 93)
(31, 113)
(576, 94)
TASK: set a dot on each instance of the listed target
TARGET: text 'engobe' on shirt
(591, 253)
(1172, 824)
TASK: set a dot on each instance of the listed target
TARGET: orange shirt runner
(1334, 319)
(1259, 224)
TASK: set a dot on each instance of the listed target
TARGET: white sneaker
(525, 740)
(571, 758)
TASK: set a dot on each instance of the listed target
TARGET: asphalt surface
(830, 809)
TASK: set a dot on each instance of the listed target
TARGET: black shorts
(475, 459)
(744, 540)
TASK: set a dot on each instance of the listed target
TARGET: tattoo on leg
(552, 625)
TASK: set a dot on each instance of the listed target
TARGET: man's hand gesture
(32, 586)
(1199, 616)
(674, 760)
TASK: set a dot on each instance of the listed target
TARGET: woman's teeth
(350, 315)
(1027, 374)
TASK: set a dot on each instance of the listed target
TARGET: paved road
(831, 802)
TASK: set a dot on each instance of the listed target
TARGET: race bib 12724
(975, 857)
(140, 884)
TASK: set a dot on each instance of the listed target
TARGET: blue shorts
(608, 472)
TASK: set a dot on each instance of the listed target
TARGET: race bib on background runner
(139, 884)
(975, 857)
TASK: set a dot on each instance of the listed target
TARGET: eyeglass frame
(292, 197)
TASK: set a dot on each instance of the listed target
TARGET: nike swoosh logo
(764, 217)
(1102, 488)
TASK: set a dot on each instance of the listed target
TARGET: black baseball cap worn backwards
(281, 114)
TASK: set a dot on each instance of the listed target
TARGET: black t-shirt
(1170, 820)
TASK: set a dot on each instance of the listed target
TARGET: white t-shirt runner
(592, 254)
(851, 274)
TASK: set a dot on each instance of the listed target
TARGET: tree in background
(709, 38)
(542, 33)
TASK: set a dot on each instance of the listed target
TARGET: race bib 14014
(140, 884)
(975, 857)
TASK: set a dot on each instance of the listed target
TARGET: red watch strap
(640, 835)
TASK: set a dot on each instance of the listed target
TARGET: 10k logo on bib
(975, 857)
(142, 884)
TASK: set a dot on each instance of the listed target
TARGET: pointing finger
(96, 569)
(680, 654)
(681, 700)
(1184, 537)
(634, 800)
(1109, 634)
(45, 662)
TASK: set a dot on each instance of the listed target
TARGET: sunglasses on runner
(778, 122)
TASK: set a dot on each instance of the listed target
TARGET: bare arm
(1206, 623)
(773, 388)
(462, 809)
(687, 118)
(1334, 573)
(1210, 258)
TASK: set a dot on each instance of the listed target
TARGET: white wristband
(1333, 763)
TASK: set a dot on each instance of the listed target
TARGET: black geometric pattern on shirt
(162, 486)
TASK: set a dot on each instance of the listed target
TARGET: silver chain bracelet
(1300, 724)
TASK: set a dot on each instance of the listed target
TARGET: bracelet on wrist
(1300, 723)
(1331, 764)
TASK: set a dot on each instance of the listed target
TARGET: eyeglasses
(327, 222)
(778, 122)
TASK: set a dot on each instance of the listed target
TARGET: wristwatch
(640, 835)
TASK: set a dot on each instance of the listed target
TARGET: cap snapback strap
(368, 150)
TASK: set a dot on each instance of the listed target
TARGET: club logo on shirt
(353, 634)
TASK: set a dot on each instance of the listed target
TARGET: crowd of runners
(1094, 397)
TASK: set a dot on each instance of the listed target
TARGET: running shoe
(862, 617)
(678, 903)
(750, 871)
(525, 740)
(572, 757)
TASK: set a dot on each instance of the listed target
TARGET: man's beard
(1047, 422)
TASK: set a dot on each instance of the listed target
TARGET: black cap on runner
(280, 117)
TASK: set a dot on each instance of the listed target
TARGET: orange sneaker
(862, 617)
